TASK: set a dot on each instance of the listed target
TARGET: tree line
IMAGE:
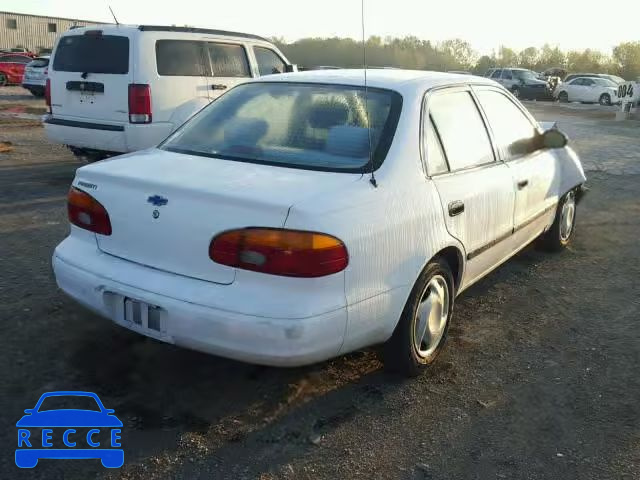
(456, 54)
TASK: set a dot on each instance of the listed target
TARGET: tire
(3, 80)
(516, 92)
(435, 287)
(561, 232)
(605, 99)
(563, 97)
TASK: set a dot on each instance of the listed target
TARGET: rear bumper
(32, 85)
(188, 318)
(108, 137)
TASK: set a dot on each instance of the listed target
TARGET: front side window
(577, 81)
(310, 126)
(461, 129)
(525, 75)
(228, 60)
(180, 58)
(268, 61)
(92, 54)
(496, 74)
(513, 131)
(506, 74)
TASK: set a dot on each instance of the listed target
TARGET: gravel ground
(539, 380)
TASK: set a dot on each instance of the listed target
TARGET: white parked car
(35, 76)
(589, 90)
(259, 232)
(116, 89)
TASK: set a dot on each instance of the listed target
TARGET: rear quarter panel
(390, 232)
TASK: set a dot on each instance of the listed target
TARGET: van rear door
(90, 76)
(228, 66)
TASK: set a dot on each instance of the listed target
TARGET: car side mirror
(29, 411)
(554, 139)
(109, 411)
(290, 68)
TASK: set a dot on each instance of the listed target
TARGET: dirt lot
(539, 380)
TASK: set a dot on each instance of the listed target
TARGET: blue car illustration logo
(60, 433)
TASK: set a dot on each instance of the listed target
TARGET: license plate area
(141, 316)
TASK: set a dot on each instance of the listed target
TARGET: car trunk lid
(166, 207)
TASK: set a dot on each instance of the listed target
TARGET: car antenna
(372, 180)
(113, 15)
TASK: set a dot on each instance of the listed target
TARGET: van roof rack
(163, 28)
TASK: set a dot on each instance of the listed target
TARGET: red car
(12, 68)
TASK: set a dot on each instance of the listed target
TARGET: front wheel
(563, 97)
(605, 99)
(561, 231)
(421, 332)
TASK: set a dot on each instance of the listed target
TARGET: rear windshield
(309, 126)
(39, 63)
(92, 54)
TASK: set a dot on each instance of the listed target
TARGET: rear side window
(436, 163)
(92, 54)
(228, 60)
(268, 61)
(496, 74)
(180, 58)
(461, 129)
(15, 59)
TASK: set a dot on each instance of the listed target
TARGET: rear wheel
(516, 92)
(605, 99)
(561, 231)
(421, 332)
(563, 97)
(3, 80)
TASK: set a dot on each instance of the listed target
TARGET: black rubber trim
(164, 28)
(87, 125)
(501, 238)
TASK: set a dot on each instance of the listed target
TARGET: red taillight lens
(289, 253)
(139, 103)
(47, 93)
(86, 212)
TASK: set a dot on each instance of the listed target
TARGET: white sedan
(302, 216)
(588, 89)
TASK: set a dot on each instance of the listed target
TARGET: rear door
(227, 66)
(476, 190)
(90, 75)
(177, 72)
(533, 169)
(590, 90)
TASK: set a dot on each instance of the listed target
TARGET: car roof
(395, 79)
(111, 29)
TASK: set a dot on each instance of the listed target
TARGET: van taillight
(87, 213)
(139, 103)
(276, 251)
(47, 94)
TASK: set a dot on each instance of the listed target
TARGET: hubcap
(567, 216)
(431, 316)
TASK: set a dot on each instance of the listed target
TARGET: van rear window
(92, 54)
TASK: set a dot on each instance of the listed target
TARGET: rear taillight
(47, 93)
(289, 253)
(139, 103)
(86, 212)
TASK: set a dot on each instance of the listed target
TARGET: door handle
(456, 208)
(218, 86)
(522, 184)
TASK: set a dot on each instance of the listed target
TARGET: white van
(120, 88)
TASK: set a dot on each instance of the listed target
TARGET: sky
(486, 24)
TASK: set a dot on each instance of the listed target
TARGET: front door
(533, 169)
(476, 190)
(229, 66)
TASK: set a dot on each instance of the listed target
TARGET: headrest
(348, 141)
(328, 114)
(245, 131)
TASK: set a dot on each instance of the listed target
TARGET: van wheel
(3, 80)
(421, 332)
